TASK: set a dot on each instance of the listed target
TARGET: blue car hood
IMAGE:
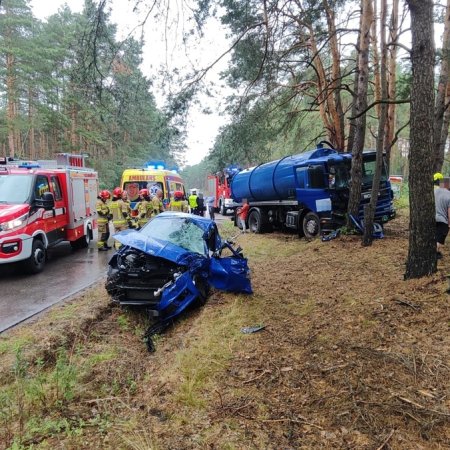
(156, 247)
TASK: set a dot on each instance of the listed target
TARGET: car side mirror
(47, 201)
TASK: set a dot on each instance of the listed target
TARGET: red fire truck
(43, 203)
(218, 186)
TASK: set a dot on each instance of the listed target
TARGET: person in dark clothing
(200, 205)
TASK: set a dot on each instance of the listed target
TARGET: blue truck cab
(308, 192)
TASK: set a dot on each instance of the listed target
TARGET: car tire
(311, 225)
(36, 262)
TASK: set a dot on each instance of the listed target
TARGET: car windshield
(369, 165)
(178, 231)
(15, 189)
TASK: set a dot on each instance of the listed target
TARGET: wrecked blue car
(171, 263)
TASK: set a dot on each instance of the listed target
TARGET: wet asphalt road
(66, 273)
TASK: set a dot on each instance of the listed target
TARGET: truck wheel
(311, 225)
(222, 208)
(255, 222)
(83, 241)
(36, 262)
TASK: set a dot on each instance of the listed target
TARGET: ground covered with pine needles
(350, 357)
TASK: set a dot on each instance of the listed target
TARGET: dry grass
(351, 356)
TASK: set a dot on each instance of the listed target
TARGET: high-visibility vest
(193, 201)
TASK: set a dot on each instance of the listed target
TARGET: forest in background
(69, 85)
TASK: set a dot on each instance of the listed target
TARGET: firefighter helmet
(144, 192)
(438, 176)
(117, 192)
(178, 195)
(104, 195)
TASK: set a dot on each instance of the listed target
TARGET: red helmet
(144, 192)
(117, 192)
(104, 195)
(178, 194)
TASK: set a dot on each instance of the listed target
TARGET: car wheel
(36, 262)
(311, 225)
(203, 288)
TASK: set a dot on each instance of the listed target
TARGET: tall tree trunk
(369, 212)
(73, 127)
(11, 94)
(422, 246)
(32, 149)
(446, 122)
(335, 85)
(391, 82)
(361, 106)
(376, 57)
(439, 146)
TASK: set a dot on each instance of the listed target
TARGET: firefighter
(157, 202)
(193, 201)
(179, 203)
(121, 213)
(144, 207)
(131, 222)
(104, 216)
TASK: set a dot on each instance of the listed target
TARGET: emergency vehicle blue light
(28, 165)
(159, 165)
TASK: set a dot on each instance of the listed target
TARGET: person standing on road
(104, 215)
(211, 207)
(157, 202)
(121, 213)
(442, 201)
(193, 201)
(144, 208)
(200, 204)
(243, 213)
(178, 203)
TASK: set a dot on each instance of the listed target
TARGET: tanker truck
(307, 192)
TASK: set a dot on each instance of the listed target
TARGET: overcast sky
(202, 128)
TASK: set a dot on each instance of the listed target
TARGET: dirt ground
(350, 357)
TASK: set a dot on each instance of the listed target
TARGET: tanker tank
(272, 181)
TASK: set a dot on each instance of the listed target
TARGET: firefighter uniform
(103, 213)
(121, 215)
(157, 205)
(145, 210)
(179, 205)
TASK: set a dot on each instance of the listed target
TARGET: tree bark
(422, 246)
(361, 105)
(439, 110)
(391, 81)
(369, 212)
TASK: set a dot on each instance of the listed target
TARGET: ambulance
(153, 176)
(43, 203)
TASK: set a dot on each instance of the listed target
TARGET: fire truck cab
(43, 203)
(218, 186)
